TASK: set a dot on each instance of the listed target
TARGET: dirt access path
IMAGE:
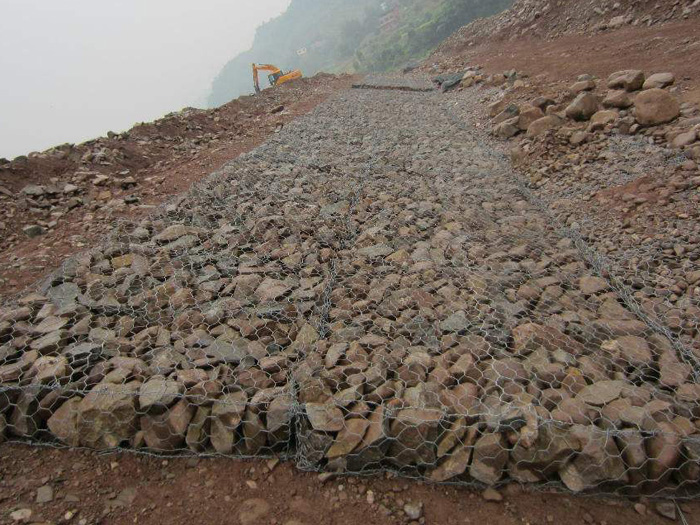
(126, 489)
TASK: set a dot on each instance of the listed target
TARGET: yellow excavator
(276, 77)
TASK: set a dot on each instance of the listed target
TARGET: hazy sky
(71, 70)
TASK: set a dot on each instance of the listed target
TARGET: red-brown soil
(100, 488)
(671, 47)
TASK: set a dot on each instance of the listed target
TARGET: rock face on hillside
(388, 297)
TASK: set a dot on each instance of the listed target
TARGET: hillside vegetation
(341, 36)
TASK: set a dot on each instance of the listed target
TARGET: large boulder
(630, 80)
(325, 417)
(619, 99)
(226, 416)
(598, 461)
(583, 107)
(602, 118)
(166, 432)
(416, 433)
(64, 422)
(159, 392)
(544, 124)
(656, 106)
(108, 415)
(659, 81)
(490, 458)
(507, 129)
(582, 85)
(528, 115)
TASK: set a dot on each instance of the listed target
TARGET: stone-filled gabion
(369, 290)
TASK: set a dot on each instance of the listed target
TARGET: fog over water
(71, 70)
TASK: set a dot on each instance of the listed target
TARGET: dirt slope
(549, 19)
(73, 194)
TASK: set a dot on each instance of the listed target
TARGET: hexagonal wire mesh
(373, 289)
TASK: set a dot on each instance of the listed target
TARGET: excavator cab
(273, 78)
(276, 77)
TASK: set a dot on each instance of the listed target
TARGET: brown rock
(453, 465)
(629, 351)
(279, 419)
(659, 81)
(634, 455)
(198, 431)
(528, 115)
(664, 451)
(325, 417)
(602, 118)
(579, 137)
(601, 393)
(630, 80)
(507, 129)
(159, 392)
(491, 494)
(618, 99)
(166, 432)
(174, 232)
(672, 371)
(591, 285)
(551, 450)
(254, 433)
(656, 106)
(544, 124)
(598, 461)
(528, 337)
(64, 422)
(226, 415)
(582, 85)
(107, 415)
(583, 107)
(684, 139)
(271, 289)
(490, 458)
(416, 432)
(348, 438)
(508, 113)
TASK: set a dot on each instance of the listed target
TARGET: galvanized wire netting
(372, 289)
